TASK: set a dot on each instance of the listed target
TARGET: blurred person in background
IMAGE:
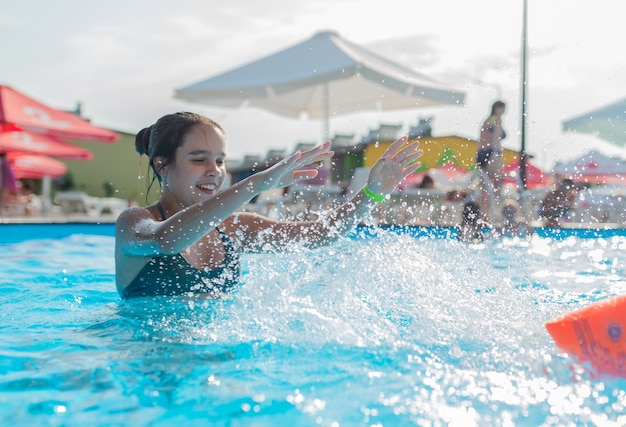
(557, 204)
(8, 183)
(489, 154)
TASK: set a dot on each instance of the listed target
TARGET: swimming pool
(384, 328)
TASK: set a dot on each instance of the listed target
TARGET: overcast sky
(123, 59)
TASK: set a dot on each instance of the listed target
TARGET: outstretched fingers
(274, 176)
(407, 156)
(398, 161)
(410, 158)
(316, 154)
(291, 160)
(400, 154)
(291, 168)
(407, 150)
(396, 145)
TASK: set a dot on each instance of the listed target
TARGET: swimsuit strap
(161, 211)
(229, 246)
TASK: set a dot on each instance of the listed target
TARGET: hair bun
(142, 141)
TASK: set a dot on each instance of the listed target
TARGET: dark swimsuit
(173, 275)
(483, 156)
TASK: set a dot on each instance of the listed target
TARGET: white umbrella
(321, 75)
(608, 123)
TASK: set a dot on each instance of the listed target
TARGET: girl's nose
(212, 169)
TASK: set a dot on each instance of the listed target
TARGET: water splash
(389, 329)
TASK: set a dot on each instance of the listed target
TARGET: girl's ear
(160, 166)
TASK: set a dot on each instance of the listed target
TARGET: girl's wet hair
(166, 135)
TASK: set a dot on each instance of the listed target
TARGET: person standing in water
(470, 229)
(489, 154)
(556, 206)
(513, 224)
(189, 241)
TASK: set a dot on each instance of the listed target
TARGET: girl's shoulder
(133, 215)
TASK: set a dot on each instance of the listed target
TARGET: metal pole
(522, 154)
(326, 118)
(45, 194)
(328, 164)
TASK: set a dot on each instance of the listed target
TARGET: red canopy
(35, 166)
(28, 114)
(15, 139)
(535, 177)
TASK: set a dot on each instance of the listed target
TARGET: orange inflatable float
(595, 334)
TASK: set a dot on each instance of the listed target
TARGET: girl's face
(200, 168)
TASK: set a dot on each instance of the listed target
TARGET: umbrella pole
(45, 194)
(326, 128)
(522, 154)
(326, 119)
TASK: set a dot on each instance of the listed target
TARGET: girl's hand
(289, 170)
(395, 164)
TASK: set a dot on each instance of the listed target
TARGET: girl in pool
(190, 240)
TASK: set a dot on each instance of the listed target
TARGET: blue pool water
(384, 328)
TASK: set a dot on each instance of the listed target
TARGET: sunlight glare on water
(383, 330)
